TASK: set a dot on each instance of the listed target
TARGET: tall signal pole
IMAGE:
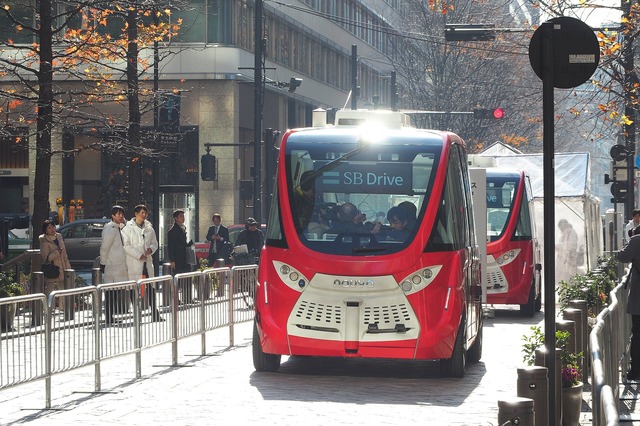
(257, 111)
(630, 81)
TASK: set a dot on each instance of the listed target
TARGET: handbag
(49, 269)
(191, 255)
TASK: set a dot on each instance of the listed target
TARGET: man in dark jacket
(631, 253)
(177, 247)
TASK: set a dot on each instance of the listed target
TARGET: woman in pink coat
(52, 250)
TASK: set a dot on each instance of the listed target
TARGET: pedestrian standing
(52, 250)
(633, 224)
(220, 247)
(177, 247)
(113, 263)
(631, 254)
(253, 238)
(566, 252)
(140, 243)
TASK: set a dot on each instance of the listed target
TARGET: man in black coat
(177, 247)
(631, 253)
(220, 247)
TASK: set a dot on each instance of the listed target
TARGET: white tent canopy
(573, 202)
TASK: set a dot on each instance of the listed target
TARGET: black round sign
(575, 51)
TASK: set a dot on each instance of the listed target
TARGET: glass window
(23, 14)
(451, 229)
(501, 193)
(218, 21)
(523, 227)
(358, 200)
(193, 22)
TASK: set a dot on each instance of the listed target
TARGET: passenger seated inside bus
(398, 229)
(348, 219)
(319, 223)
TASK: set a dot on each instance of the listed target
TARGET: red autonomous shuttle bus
(513, 254)
(370, 248)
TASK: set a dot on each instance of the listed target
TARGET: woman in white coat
(140, 243)
(113, 263)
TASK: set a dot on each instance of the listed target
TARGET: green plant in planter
(8, 286)
(592, 287)
(570, 370)
(203, 264)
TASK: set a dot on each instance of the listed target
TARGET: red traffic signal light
(488, 113)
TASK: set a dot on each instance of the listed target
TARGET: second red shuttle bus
(513, 254)
(370, 247)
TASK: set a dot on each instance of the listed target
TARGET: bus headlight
(507, 257)
(420, 279)
(290, 276)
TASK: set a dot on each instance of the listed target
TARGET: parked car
(82, 238)
(202, 249)
(18, 245)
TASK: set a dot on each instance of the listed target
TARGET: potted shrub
(8, 288)
(570, 371)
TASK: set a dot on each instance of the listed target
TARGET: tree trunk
(133, 130)
(43, 122)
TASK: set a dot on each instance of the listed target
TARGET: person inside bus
(348, 219)
(412, 213)
(304, 199)
(397, 230)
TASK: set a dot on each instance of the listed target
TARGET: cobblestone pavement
(222, 387)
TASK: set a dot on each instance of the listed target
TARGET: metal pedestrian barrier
(608, 342)
(79, 327)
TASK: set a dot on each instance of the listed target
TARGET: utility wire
(393, 32)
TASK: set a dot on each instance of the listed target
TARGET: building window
(193, 25)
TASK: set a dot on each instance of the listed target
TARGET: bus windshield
(352, 200)
(501, 194)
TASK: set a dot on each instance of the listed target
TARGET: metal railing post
(69, 282)
(231, 320)
(174, 328)
(203, 284)
(37, 286)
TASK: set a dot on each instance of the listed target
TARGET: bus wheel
(457, 364)
(261, 360)
(475, 351)
(529, 308)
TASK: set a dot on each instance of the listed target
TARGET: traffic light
(619, 191)
(618, 176)
(488, 113)
(208, 167)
